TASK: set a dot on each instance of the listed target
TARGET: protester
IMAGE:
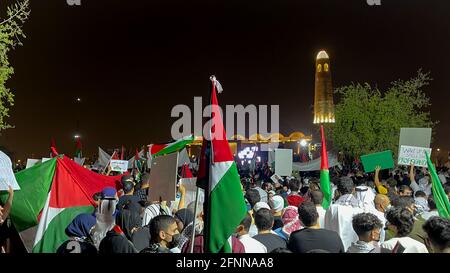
(252, 197)
(405, 190)
(432, 209)
(278, 205)
(264, 223)
(185, 223)
(251, 245)
(400, 222)
(294, 198)
(164, 234)
(421, 202)
(129, 199)
(368, 228)
(317, 199)
(143, 192)
(153, 210)
(105, 215)
(79, 232)
(339, 215)
(438, 234)
(313, 237)
(115, 240)
(291, 223)
(417, 233)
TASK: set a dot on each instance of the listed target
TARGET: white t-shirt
(410, 245)
(252, 245)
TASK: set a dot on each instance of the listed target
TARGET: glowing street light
(303, 143)
(438, 149)
(76, 136)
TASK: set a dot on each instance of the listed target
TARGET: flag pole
(197, 193)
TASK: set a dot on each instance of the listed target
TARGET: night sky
(131, 61)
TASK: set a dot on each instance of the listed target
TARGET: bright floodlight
(76, 136)
(303, 143)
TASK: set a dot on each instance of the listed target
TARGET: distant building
(323, 91)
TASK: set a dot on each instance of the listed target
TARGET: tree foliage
(369, 120)
(11, 34)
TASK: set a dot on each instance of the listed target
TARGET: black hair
(403, 201)
(363, 223)
(316, 197)
(438, 231)
(264, 219)
(307, 213)
(127, 186)
(318, 251)
(97, 196)
(252, 196)
(304, 190)
(431, 203)
(420, 194)
(403, 188)
(247, 222)
(160, 223)
(401, 218)
(265, 185)
(294, 185)
(345, 185)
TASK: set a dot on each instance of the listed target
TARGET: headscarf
(186, 216)
(81, 226)
(278, 203)
(105, 220)
(290, 220)
(365, 195)
(127, 220)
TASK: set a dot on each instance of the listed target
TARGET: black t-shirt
(133, 203)
(277, 222)
(307, 239)
(270, 241)
(74, 246)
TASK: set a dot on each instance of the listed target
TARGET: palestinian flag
(325, 174)
(186, 172)
(52, 194)
(164, 149)
(441, 199)
(79, 147)
(224, 203)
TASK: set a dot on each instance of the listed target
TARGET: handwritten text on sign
(413, 155)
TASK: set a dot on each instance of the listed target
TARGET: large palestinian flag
(218, 175)
(52, 194)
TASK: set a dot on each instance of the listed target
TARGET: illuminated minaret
(323, 92)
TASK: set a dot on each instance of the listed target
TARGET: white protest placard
(283, 162)
(31, 162)
(276, 178)
(46, 159)
(413, 155)
(7, 177)
(119, 165)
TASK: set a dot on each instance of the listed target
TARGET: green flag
(441, 199)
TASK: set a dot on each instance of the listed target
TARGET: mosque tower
(323, 91)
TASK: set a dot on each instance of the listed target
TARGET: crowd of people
(389, 211)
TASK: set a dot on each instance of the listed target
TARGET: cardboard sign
(31, 162)
(119, 165)
(283, 162)
(417, 137)
(382, 159)
(163, 178)
(7, 177)
(413, 155)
